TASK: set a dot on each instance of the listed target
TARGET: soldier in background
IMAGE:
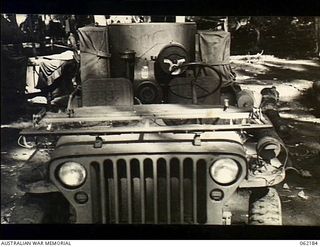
(13, 69)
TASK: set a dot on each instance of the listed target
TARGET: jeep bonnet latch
(197, 139)
(98, 142)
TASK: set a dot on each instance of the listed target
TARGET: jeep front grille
(150, 189)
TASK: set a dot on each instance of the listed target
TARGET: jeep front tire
(265, 207)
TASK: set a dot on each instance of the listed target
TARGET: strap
(98, 53)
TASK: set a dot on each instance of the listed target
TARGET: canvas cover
(207, 92)
(214, 49)
(94, 53)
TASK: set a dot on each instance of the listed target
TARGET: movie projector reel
(148, 90)
(171, 57)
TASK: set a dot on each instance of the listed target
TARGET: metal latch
(98, 142)
(197, 140)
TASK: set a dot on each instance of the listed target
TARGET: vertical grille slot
(187, 190)
(168, 186)
(149, 190)
(201, 191)
(102, 189)
(175, 190)
(142, 192)
(110, 195)
(181, 192)
(95, 172)
(155, 192)
(129, 186)
(194, 192)
(116, 191)
(122, 190)
(136, 195)
(162, 190)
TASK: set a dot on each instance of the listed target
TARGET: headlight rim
(58, 169)
(238, 175)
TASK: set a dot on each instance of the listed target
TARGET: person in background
(13, 69)
(57, 75)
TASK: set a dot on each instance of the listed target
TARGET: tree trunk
(317, 34)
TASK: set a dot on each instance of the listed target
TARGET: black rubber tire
(265, 207)
(27, 212)
(40, 209)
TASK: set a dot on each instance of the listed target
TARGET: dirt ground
(299, 192)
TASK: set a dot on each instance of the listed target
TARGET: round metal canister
(268, 147)
(148, 92)
(245, 99)
(147, 40)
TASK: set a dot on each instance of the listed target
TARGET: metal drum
(147, 40)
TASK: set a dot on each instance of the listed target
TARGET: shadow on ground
(272, 68)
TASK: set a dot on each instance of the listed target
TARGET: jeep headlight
(224, 171)
(72, 174)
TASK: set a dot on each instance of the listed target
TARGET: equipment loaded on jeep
(158, 132)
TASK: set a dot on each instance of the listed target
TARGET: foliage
(281, 35)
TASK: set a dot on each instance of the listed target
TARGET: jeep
(157, 132)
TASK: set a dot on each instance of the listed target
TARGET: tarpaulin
(50, 70)
(214, 49)
(94, 53)
(56, 71)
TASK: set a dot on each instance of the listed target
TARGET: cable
(155, 121)
(138, 100)
(287, 154)
(24, 144)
